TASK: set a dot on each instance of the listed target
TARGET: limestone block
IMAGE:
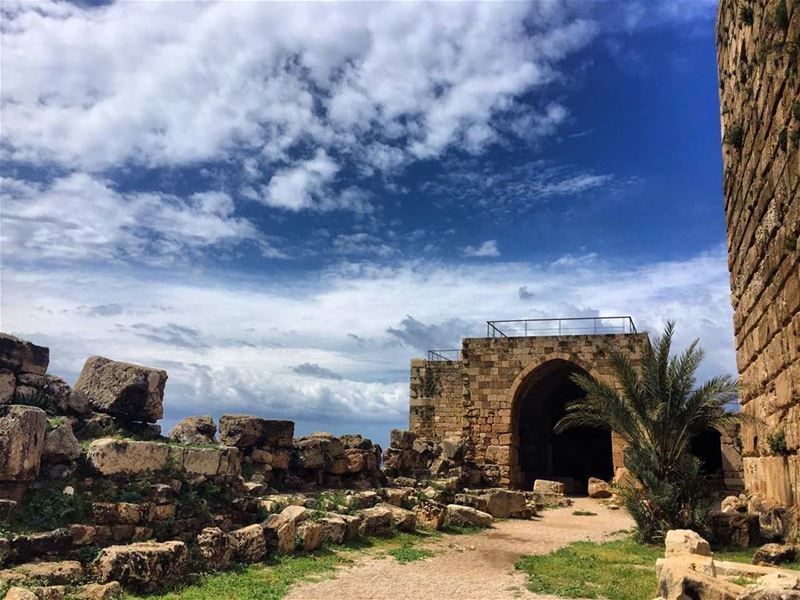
(598, 488)
(22, 439)
(310, 535)
(430, 514)
(375, 521)
(112, 457)
(195, 430)
(124, 390)
(100, 591)
(545, 486)
(775, 554)
(8, 384)
(61, 445)
(250, 543)
(52, 573)
(145, 565)
(333, 529)
(21, 356)
(465, 516)
(244, 431)
(402, 519)
(685, 541)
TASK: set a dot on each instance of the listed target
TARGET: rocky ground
(476, 566)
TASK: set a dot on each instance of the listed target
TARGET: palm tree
(657, 411)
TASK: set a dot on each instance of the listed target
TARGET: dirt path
(458, 572)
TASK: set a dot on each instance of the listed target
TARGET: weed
(777, 442)
(734, 137)
(584, 513)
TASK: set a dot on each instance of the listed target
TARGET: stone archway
(540, 398)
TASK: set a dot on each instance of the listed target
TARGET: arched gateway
(505, 392)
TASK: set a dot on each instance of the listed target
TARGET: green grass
(271, 581)
(618, 570)
(407, 554)
(584, 513)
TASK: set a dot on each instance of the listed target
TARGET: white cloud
(484, 250)
(80, 217)
(296, 187)
(164, 84)
(235, 345)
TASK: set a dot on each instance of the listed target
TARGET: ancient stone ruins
(93, 497)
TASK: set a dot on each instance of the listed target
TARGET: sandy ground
(457, 571)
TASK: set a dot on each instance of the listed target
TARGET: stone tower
(758, 49)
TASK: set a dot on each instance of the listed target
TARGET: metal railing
(563, 326)
(448, 355)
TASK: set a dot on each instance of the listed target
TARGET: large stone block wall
(474, 398)
(758, 43)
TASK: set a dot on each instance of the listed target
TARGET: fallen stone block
(310, 535)
(465, 516)
(244, 431)
(146, 565)
(61, 445)
(735, 529)
(775, 554)
(685, 541)
(8, 386)
(402, 519)
(375, 521)
(124, 390)
(598, 488)
(195, 430)
(100, 591)
(18, 593)
(775, 586)
(333, 529)
(51, 573)
(251, 543)
(280, 534)
(430, 514)
(22, 438)
(546, 486)
(21, 356)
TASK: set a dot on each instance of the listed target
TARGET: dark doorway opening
(573, 456)
(707, 446)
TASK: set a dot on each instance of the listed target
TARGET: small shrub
(35, 397)
(50, 508)
(584, 513)
(734, 137)
(777, 442)
(55, 422)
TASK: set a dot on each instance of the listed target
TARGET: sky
(282, 204)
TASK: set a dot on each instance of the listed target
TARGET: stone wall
(475, 398)
(758, 43)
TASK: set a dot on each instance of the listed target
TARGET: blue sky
(282, 203)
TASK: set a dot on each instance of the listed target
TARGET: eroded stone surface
(124, 390)
(22, 438)
(145, 565)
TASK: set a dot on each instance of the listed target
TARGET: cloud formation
(264, 344)
(487, 249)
(382, 84)
(79, 217)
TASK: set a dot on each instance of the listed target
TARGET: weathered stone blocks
(126, 391)
(20, 356)
(145, 565)
(195, 430)
(244, 431)
(22, 439)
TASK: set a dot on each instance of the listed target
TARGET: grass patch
(270, 581)
(619, 570)
(584, 513)
(407, 554)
